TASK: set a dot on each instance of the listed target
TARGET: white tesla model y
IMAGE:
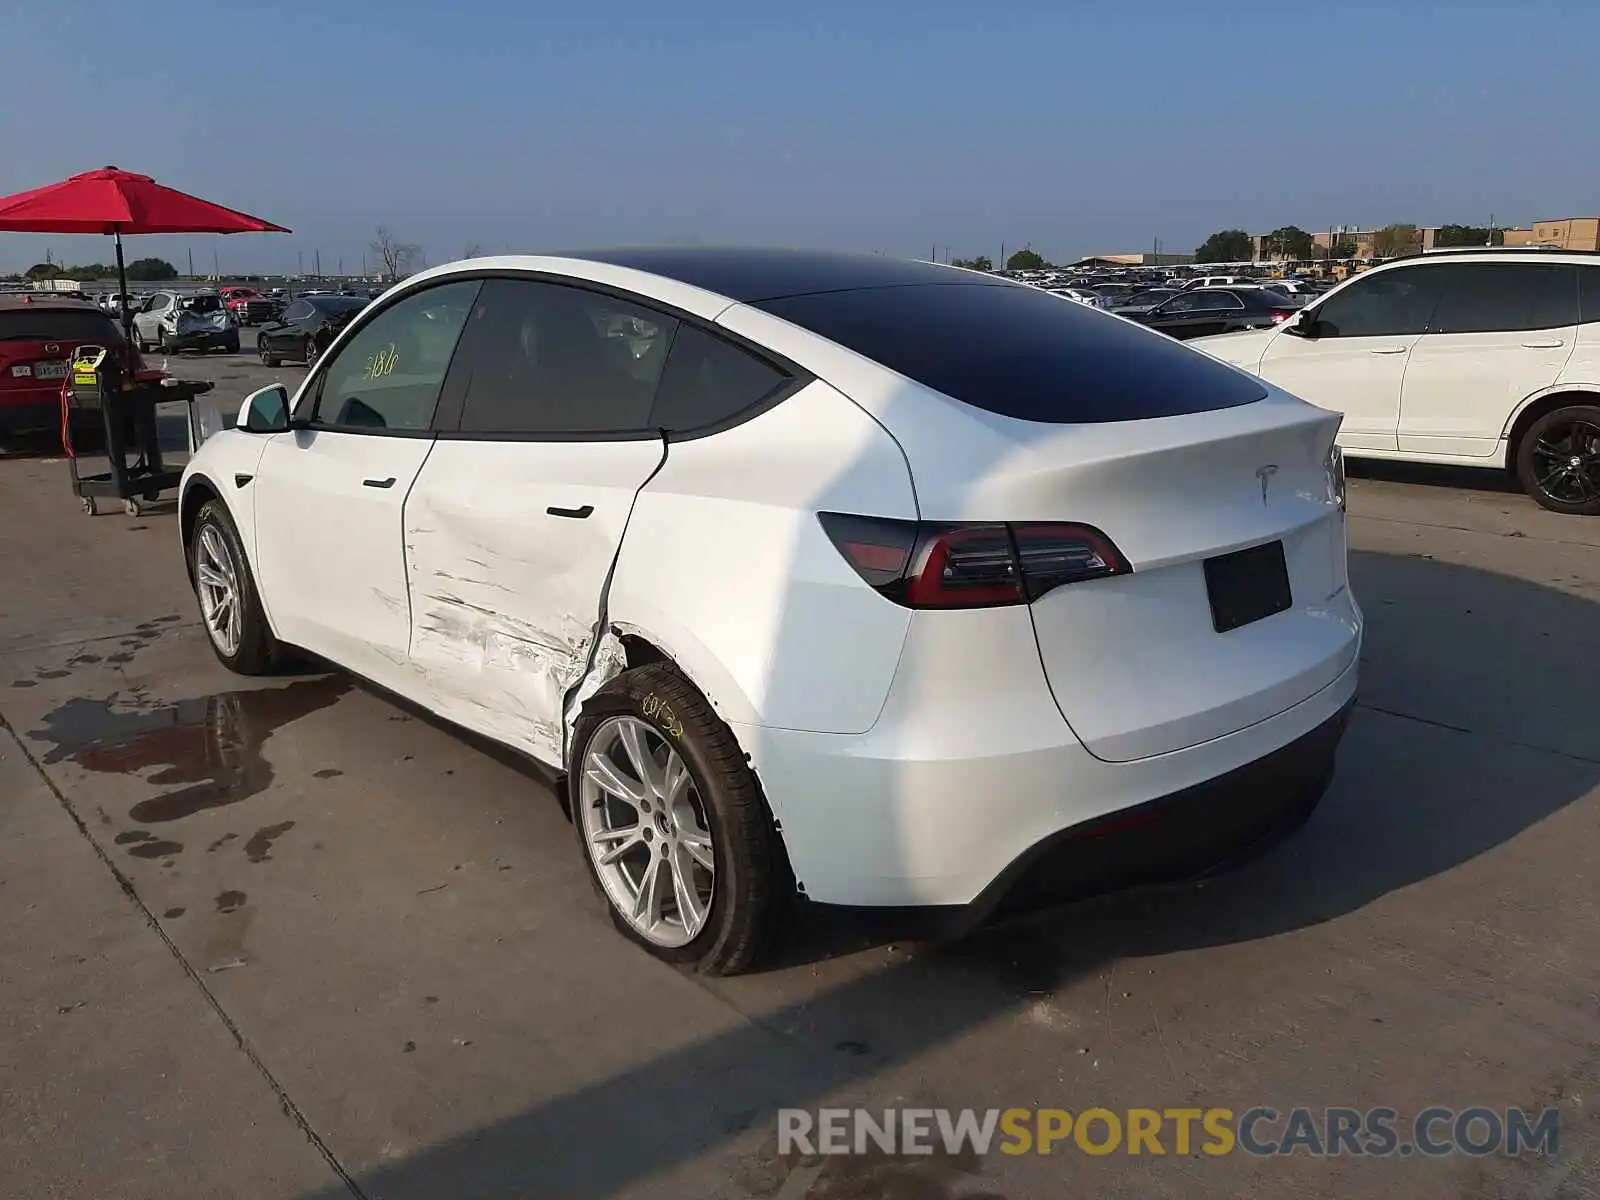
(882, 583)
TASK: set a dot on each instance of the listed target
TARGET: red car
(39, 334)
(248, 306)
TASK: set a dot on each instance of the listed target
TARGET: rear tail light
(1280, 315)
(970, 565)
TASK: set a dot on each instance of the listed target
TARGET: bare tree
(396, 256)
(472, 250)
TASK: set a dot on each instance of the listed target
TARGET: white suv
(1485, 358)
(887, 583)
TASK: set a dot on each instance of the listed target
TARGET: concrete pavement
(299, 932)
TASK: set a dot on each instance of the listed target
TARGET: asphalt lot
(286, 939)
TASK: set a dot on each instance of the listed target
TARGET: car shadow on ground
(1472, 479)
(1382, 828)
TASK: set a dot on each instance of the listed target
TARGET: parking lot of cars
(289, 938)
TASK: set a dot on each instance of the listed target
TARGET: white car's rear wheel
(673, 826)
(1558, 460)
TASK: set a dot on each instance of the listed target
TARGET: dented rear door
(516, 518)
(508, 545)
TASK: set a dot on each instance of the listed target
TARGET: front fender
(220, 464)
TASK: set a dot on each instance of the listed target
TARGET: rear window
(1021, 352)
(56, 325)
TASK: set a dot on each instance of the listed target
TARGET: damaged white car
(880, 583)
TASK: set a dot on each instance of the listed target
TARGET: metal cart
(126, 407)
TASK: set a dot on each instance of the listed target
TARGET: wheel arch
(196, 492)
(643, 648)
(1538, 405)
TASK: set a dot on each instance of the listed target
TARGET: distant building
(1566, 233)
(1141, 259)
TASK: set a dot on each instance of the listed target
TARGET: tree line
(141, 270)
(1292, 242)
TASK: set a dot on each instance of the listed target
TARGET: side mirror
(1304, 325)
(266, 411)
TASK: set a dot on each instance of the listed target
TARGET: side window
(1225, 300)
(1188, 302)
(1505, 297)
(544, 358)
(1588, 294)
(388, 376)
(708, 381)
(159, 303)
(1381, 305)
(298, 311)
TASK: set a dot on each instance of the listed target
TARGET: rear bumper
(30, 410)
(969, 783)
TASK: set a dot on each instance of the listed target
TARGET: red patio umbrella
(113, 201)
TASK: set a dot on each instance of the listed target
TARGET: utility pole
(341, 266)
(299, 262)
(317, 254)
(191, 262)
(1001, 265)
(215, 269)
(1490, 240)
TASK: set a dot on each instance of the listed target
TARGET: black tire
(259, 653)
(166, 343)
(1544, 460)
(232, 347)
(268, 358)
(313, 352)
(754, 889)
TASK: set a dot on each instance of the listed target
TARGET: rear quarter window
(1021, 352)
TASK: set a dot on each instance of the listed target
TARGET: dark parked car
(1206, 311)
(1143, 301)
(308, 326)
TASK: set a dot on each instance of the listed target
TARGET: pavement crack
(1571, 755)
(286, 1102)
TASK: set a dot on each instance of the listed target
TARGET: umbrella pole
(122, 290)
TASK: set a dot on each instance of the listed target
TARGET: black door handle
(378, 483)
(578, 513)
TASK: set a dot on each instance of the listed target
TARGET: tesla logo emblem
(51, 348)
(1265, 474)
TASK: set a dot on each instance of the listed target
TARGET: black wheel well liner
(195, 495)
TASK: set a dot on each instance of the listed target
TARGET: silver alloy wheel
(644, 824)
(217, 583)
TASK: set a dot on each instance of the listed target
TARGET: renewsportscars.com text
(1259, 1130)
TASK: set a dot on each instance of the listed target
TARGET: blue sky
(1076, 126)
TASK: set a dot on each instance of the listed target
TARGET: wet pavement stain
(221, 842)
(119, 658)
(327, 773)
(228, 901)
(259, 847)
(24, 683)
(80, 659)
(133, 835)
(172, 914)
(210, 745)
(52, 674)
(159, 849)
